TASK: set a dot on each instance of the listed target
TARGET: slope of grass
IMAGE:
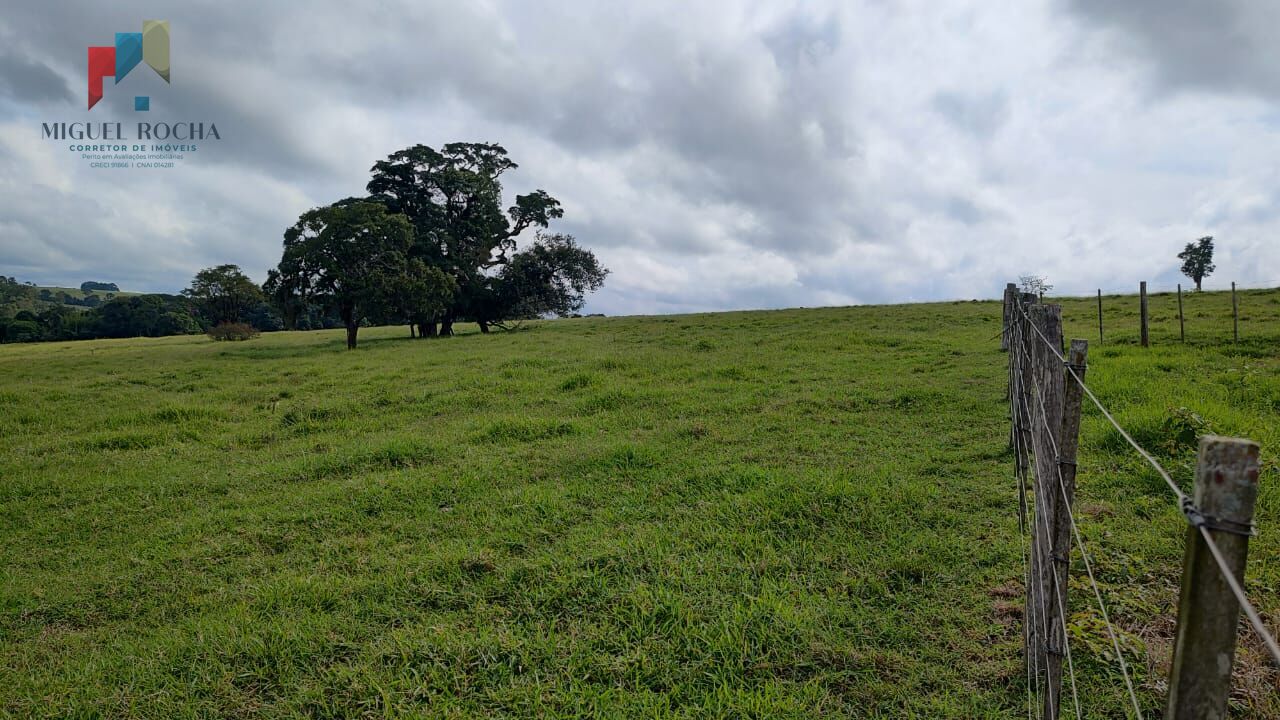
(79, 294)
(758, 514)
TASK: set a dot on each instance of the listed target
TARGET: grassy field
(79, 294)
(780, 514)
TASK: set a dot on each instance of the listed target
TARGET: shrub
(233, 331)
(1182, 429)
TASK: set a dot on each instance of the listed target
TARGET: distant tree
(453, 198)
(1197, 259)
(105, 287)
(224, 294)
(1034, 284)
(353, 255)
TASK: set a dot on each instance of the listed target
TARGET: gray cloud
(1225, 46)
(980, 115)
(26, 80)
(716, 155)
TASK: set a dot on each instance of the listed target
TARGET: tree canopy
(453, 198)
(224, 294)
(356, 257)
(91, 286)
(551, 277)
(1197, 259)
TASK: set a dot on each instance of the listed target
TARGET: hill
(16, 297)
(81, 294)
(754, 514)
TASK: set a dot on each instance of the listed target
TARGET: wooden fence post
(1235, 315)
(1099, 316)
(1024, 343)
(1182, 324)
(1026, 346)
(1204, 647)
(1060, 522)
(1010, 296)
(1142, 300)
(1046, 411)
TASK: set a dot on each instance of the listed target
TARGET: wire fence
(1045, 391)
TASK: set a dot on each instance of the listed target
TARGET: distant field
(783, 514)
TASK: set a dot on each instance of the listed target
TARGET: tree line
(31, 314)
(429, 246)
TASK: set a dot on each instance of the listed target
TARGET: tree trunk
(446, 327)
(484, 326)
(1197, 284)
(412, 333)
(348, 313)
(427, 329)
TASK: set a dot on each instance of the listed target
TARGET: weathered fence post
(1235, 315)
(1182, 325)
(1023, 404)
(1099, 316)
(1060, 522)
(1019, 346)
(1027, 377)
(1023, 343)
(1046, 412)
(1142, 300)
(1010, 297)
(1205, 641)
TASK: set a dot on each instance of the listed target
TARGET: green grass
(758, 514)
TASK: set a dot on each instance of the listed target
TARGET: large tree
(355, 256)
(453, 198)
(1197, 259)
(224, 294)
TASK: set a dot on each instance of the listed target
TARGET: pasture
(773, 514)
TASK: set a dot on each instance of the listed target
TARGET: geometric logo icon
(151, 46)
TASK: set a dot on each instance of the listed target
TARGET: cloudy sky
(715, 155)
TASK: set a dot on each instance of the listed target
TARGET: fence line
(1028, 374)
(1144, 316)
(1186, 505)
(1037, 590)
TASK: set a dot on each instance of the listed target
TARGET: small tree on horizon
(1197, 259)
(1035, 284)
